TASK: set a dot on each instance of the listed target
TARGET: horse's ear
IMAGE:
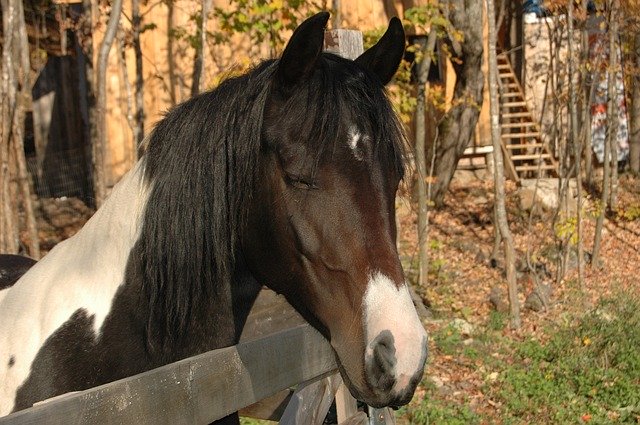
(384, 57)
(302, 51)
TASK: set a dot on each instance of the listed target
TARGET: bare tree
(16, 90)
(610, 153)
(99, 143)
(575, 140)
(8, 230)
(502, 224)
(136, 23)
(612, 109)
(457, 127)
(421, 163)
(634, 142)
(198, 62)
(586, 101)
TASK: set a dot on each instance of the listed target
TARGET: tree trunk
(131, 156)
(85, 38)
(612, 110)
(500, 210)
(99, 144)
(138, 130)
(634, 140)
(421, 163)
(17, 98)
(457, 127)
(198, 61)
(586, 107)
(170, 53)
(575, 141)
(8, 228)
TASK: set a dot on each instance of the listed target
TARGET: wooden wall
(168, 64)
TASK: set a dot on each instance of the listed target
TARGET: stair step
(518, 124)
(511, 94)
(513, 104)
(524, 146)
(535, 167)
(478, 150)
(520, 135)
(530, 156)
(525, 114)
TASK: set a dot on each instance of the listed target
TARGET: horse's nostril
(381, 364)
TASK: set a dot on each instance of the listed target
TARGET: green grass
(587, 371)
(438, 412)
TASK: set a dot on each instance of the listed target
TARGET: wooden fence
(283, 369)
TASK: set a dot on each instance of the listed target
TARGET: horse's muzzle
(391, 386)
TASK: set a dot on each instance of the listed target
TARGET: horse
(285, 176)
(12, 267)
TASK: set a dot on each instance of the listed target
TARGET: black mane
(201, 165)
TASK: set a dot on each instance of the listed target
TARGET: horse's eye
(300, 182)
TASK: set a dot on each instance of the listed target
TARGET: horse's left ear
(384, 57)
(303, 50)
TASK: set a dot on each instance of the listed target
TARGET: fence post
(345, 43)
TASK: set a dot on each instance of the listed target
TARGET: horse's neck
(88, 268)
(107, 238)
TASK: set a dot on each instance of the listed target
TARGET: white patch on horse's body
(388, 307)
(83, 272)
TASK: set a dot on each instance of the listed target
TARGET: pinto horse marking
(12, 267)
(260, 180)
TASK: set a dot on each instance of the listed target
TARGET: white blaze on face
(388, 307)
(354, 138)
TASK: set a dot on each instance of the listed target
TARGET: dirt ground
(462, 277)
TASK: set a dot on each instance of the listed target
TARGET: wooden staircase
(526, 155)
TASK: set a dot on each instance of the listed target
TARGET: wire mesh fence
(63, 173)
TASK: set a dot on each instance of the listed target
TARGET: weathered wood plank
(343, 42)
(270, 314)
(346, 404)
(382, 416)
(270, 408)
(359, 418)
(196, 390)
(311, 401)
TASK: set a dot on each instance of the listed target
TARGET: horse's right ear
(303, 50)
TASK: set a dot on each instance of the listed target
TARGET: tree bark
(500, 210)
(129, 99)
(17, 98)
(457, 127)
(612, 110)
(138, 130)
(575, 141)
(85, 37)
(586, 107)
(634, 140)
(8, 228)
(198, 62)
(421, 163)
(170, 53)
(99, 144)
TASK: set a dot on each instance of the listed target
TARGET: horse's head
(322, 224)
